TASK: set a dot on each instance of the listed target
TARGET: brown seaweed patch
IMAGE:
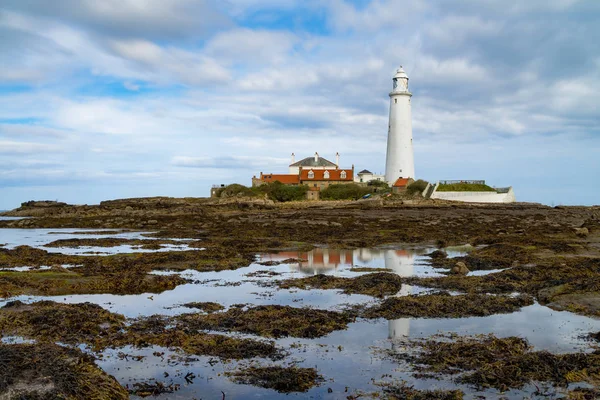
(60, 281)
(583, 394)
(206, 306)
(405, 392)
(369, 269)
(161, 331)
(270, 321)
(582, 275)
(283, 379)
(498, 256)
(48, 321)
(378, 284)
(502, 363)
(109, 242)
(444, 305)
(49, 371)
(152, 388)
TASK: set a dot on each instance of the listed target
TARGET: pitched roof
(401, 182)
(319, 175)
(364, 172)
(283, 178)
(310, 162)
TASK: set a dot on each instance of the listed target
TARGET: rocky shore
(536, 254)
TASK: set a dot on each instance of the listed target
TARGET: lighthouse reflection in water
(405, 262)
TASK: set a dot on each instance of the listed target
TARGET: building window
(326, 175)
(343, 175)
(311, 175)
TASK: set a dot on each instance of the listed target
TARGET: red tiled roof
(283, 178)
(401, 182)
(334, 175)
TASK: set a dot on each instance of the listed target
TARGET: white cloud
(251, 46)
(12, 147)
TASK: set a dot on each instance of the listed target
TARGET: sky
(132, 98)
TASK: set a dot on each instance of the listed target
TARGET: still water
(350, 360)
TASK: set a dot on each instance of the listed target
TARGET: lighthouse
(400, 161)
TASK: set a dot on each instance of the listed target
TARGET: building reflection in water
(323, 261)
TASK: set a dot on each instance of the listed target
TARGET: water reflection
(322, 260)
(401, 262)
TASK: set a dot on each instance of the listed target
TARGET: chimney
(337, 159)
(293, 158)
(316, 157)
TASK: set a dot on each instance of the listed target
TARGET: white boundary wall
(476, 197)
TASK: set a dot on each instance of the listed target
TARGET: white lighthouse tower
(400, 161)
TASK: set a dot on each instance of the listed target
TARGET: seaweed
(378, 284)
(270, 321)
(49, 371)
(282, 379)
(47, 321)
(208, 306)
(403, 391)
(152, 388)
(444, 305)
(486, 361)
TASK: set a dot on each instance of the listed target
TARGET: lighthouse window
(396, 101)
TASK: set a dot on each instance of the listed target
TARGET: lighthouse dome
(400, 73)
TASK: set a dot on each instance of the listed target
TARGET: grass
(465, 187)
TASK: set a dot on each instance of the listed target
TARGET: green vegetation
(379, 184)
(235, 190)
(277, 191)
(465, 187)
(350, 191)
(416, 187)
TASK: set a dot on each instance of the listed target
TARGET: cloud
(151, 87)
(10, 147)
(227, 162)
(251, 46)
(156, 19)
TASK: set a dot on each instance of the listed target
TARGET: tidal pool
(350, 361)
(38, 238)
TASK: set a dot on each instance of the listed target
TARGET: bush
(416, 187)
(349, 191)
(378, 184)
(277, 191)
(235, 190)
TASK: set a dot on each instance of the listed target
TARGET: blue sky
(127, 98)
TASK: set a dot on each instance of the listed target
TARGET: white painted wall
(368, 177)
(400, 157)
(476, 197)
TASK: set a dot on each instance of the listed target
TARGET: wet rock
(460, 269)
